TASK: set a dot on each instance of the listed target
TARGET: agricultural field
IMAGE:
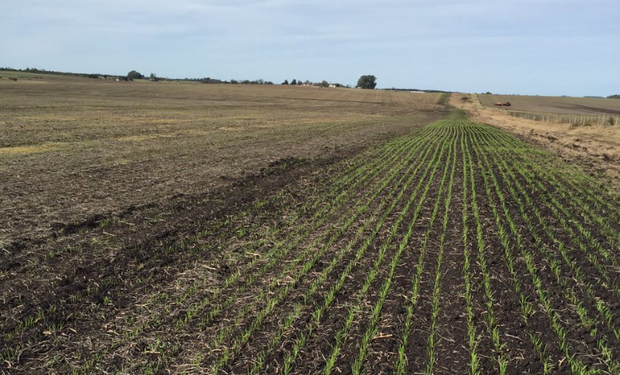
(590, 141)
(440, 247)
(74, 149)
(555, 104)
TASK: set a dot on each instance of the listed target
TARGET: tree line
(364, 82)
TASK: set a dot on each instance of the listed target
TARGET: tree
(154, 77)
(294, 81)
(324, 84)
(367, 82)
(285, 82)
(134, 75)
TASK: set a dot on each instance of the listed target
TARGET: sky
(530, 47)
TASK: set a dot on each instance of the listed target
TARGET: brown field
(178, 228)
(72, 148)
(555, 104)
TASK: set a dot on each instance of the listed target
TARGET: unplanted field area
(74, 149)
(555, 104)
(454, 249)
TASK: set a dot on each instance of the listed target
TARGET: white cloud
(195, 38)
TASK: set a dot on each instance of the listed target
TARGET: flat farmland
(555, 104)
(441, 246)
(72, 149)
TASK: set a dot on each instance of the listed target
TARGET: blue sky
(545, 47)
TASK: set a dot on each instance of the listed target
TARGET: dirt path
(594, 148)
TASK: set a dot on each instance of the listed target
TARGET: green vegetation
(367, 82)
(134, 75)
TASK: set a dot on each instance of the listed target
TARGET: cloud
(337, 38)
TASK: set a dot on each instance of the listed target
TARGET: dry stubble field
(418, 241)
(555, 104)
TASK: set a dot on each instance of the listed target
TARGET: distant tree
(134, 75)
(285, 82)
(299, 83)
(324, 84)
(294, 81)
(367, 82)
(614, 96)
(153, 77)
(307, 82)
(234, 81)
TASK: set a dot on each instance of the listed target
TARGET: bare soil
(554, 104)
(74, 149)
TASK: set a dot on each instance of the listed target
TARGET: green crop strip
(493, 327)
(283, 292)
(555, 268)
(372, 327)
(321, 279)
(397, 149)
(472, 337)
(527, 308)
(431, 343)
(491, 183)
(343, 333)
(401, 361)
(526, 205)
(329, 298)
